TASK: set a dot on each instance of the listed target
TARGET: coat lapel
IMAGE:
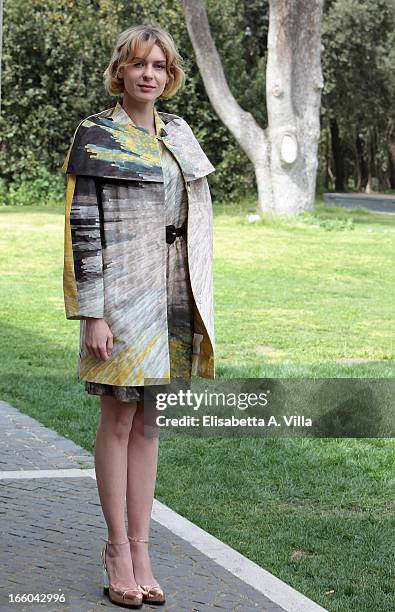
(181, 141)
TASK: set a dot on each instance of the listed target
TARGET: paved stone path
(52, 530)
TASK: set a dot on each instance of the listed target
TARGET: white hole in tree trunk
(289, 148)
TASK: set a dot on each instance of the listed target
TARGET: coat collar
(119, 115)
(110, 145)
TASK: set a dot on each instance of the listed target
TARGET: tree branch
(240, 122)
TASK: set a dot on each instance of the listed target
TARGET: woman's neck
(142, 114)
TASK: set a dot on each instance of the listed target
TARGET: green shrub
(45, 188)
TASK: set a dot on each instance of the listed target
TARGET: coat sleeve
(83, 263)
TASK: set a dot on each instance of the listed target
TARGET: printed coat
(115, 249)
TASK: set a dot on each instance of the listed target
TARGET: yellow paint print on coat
(120, 367)
(69, 282)
(131, 138)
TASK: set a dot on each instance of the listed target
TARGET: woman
(138, 276)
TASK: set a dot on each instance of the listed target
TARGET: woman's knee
(117, 416)
(144, 424)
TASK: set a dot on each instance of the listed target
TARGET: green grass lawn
(302, 299)
(315, 298)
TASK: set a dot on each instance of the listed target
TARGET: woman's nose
(148, 71)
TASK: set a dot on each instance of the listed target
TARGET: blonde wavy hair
(143, 37)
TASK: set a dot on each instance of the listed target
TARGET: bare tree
(284, 154)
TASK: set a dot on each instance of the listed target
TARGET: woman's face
(145, 78)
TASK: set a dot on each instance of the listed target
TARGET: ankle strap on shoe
(137, 540)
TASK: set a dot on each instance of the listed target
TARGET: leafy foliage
(55, 54)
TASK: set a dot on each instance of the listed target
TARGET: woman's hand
(98, 338)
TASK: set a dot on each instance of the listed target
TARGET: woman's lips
(146, 87)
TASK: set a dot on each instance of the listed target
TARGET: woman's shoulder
(167, 117)
(180, 134)
(175, 122)
(101, 115)
(87, 131)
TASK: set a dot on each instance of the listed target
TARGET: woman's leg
(142, 468)
(111, 453)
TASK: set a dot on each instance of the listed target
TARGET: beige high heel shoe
(152, 594)
(128, 598)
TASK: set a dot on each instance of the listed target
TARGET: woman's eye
(158, 66)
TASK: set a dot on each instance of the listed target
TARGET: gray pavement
(377, 203)
(52, 530)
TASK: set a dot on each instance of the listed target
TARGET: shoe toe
(129, 596)
(153, 594)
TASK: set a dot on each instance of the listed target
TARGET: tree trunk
(1, 42)
(391, 154)
(362, 164)
(284, 154)
(328, 172)
(338, 157)
(372, 184)
(293, 97)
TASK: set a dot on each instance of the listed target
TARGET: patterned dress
(179, 292)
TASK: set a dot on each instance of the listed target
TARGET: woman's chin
(141, 96)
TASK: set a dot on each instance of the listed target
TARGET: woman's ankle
(117, 537)
(143, 539)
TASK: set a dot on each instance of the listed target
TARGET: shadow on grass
(39, 378)
(374, 369)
